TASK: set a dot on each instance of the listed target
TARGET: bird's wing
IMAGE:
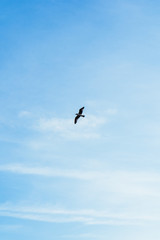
(81, 110)
(76, 118)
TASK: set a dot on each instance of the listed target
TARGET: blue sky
(99, 179)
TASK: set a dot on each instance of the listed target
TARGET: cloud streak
(128, 183)
(48, 172)
(85, 216)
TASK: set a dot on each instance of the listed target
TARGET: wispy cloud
(85, 216)
(48, 172)
(110, 189)
(88, 128)
(82, 235)
(130, 183)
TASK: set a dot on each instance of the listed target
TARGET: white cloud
(85, 216)
(48, 172)
(85, 128)
(106, 192)
(111, 190)
(128, 183)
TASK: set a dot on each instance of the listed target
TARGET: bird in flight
(79, 115)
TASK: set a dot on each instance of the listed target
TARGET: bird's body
(78, 115)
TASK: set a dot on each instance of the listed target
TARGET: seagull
(79, 115)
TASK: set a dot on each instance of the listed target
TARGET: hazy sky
(98, 179)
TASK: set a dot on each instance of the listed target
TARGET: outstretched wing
(76, 118)
(81, 110)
